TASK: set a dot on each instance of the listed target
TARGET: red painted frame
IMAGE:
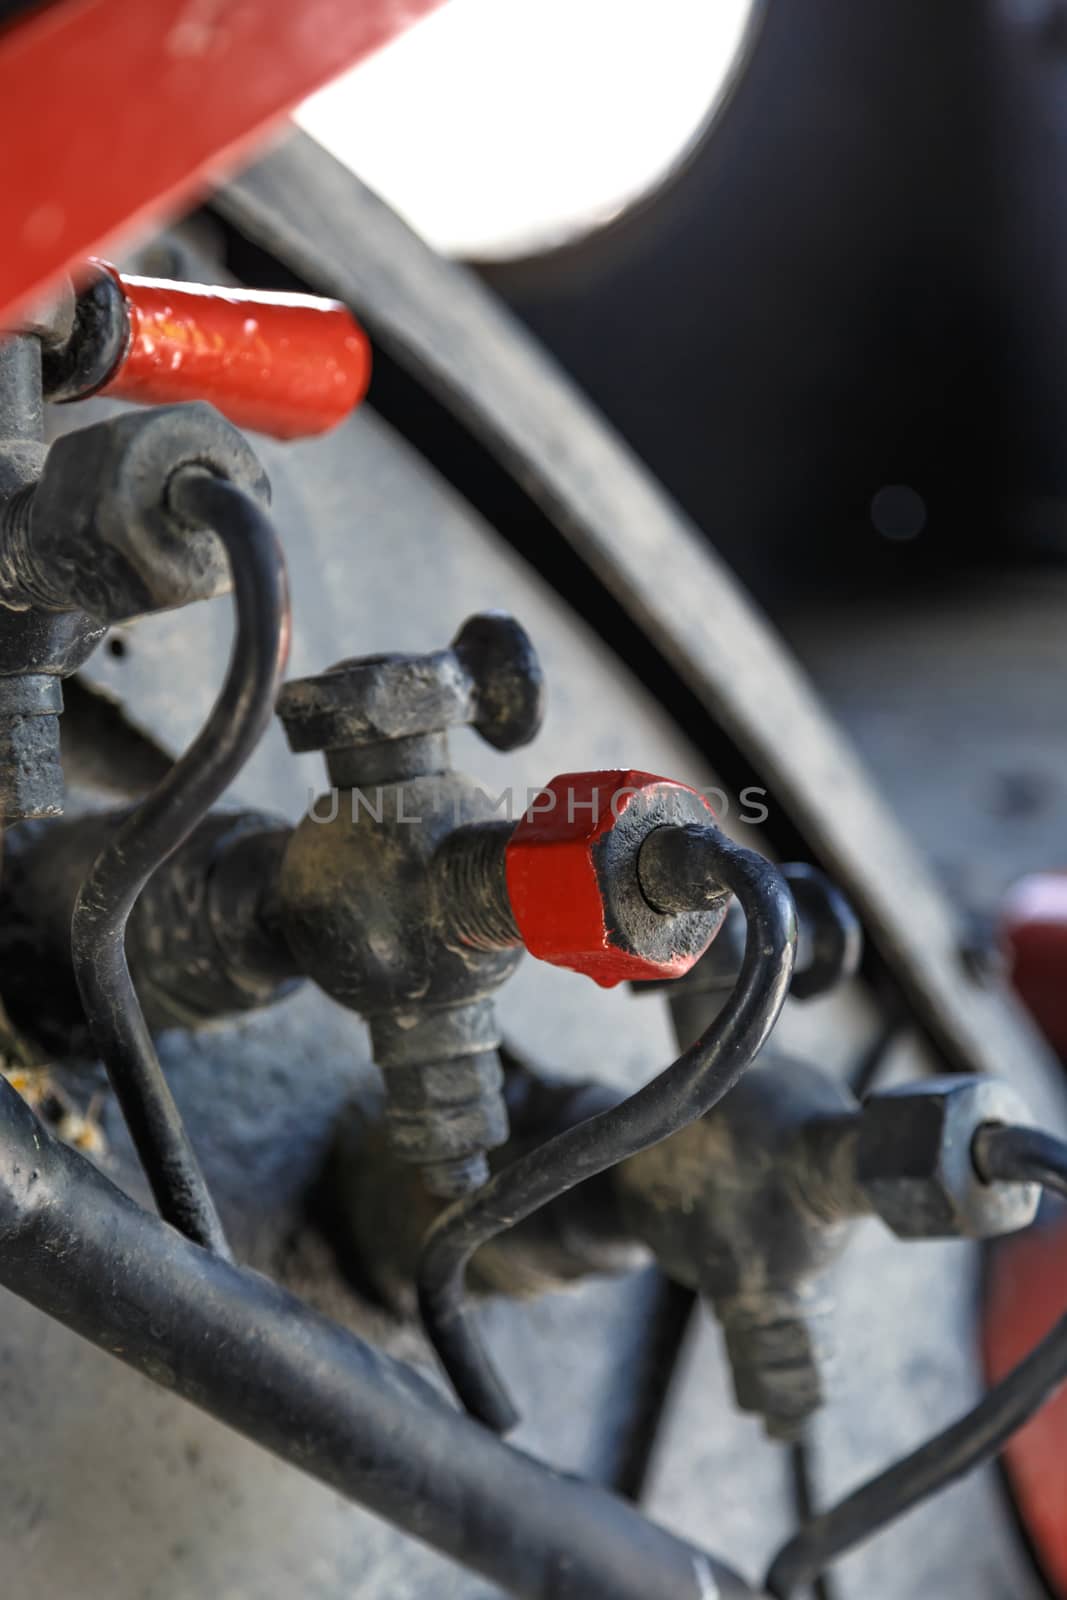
(115, 111)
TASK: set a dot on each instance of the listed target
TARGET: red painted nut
(572, 877)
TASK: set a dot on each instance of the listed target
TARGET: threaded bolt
(15, 517)
(778, 1352)
(444, 1103)
(473, 886)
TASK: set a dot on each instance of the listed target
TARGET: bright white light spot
(500, 126)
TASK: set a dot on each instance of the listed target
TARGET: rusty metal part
(97, 532)
(724, 1206)
(488, 679)
(99, 338)
(429, 315)
(914, 1164)
(264, 1363)
(574, 884)
(202, 941)
(378, 1214)
(31, 772)
(829, 947)
(688, 1088)
(365, 904)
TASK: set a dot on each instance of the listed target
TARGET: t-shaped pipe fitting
(362, 897)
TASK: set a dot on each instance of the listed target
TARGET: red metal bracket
(114, 111)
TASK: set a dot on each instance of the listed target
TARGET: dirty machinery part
(737, 1169)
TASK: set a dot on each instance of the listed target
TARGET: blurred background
(809, 262)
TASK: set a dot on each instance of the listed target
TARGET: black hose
(1022, 1155)
(1009, 1155)
(248, 1353)
(684, 1091)
(158, 825)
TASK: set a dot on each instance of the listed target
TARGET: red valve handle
(288, 365)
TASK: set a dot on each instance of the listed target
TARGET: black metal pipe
(155, 829)
(250, 1354)
(686, 1090)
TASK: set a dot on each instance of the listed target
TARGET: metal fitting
(366, 892)
(385, 718)
(724, 1205)
(37, 648)
(829, 935)
(96, 532)
(576, 880)
(914, 1161)
(203, 940)
(381, 1214)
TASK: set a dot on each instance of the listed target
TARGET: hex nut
(915, 1166)
(103, 537)
(573, 883)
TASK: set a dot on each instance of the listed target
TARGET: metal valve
(361, 895)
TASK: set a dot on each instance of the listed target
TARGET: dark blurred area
(837, 333)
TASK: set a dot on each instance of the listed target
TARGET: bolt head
(573, 883)
(509, 686)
